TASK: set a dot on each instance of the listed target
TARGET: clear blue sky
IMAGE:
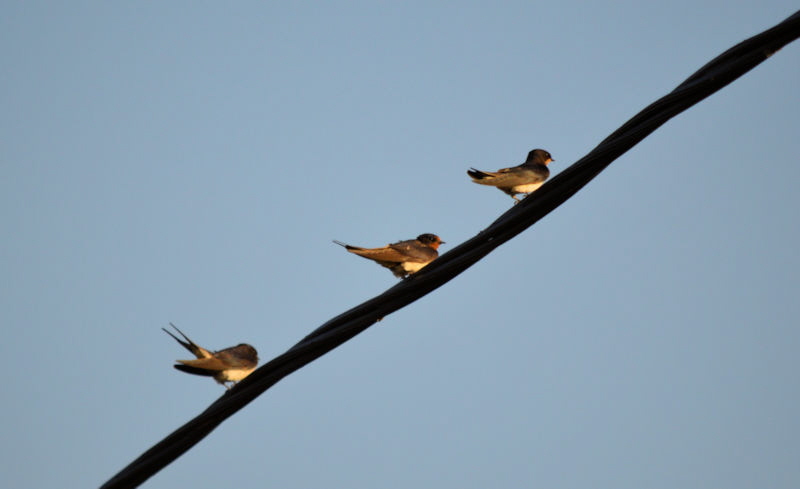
(191, 162)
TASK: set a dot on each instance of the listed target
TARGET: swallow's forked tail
(477, 174)
(188, 344)
(347, 246)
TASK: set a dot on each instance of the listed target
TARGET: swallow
(522, 179)
(226, 365)
(404, 257)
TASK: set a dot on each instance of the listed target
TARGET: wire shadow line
(713, 76)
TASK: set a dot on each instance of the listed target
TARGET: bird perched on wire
(226, 365)
(522, 179)
(404, 257)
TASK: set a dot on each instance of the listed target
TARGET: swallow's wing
(476, 174)
(242, 356)
(508, 170)
(385, 254)
(510, 177)
(414, 251)
(195, 370)
(211, 365)
(492, 177)
(479, 174)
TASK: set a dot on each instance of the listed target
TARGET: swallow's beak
(549, 160)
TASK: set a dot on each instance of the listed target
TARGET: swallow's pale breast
(404, 257)
(521, 179)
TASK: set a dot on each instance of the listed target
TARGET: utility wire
(716, 74)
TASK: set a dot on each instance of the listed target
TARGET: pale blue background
(191, 161)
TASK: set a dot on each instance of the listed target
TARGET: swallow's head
(431, 240)
(539, 156)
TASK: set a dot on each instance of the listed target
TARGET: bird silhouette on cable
(521, 179)
(226, 365)
(404, 257)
